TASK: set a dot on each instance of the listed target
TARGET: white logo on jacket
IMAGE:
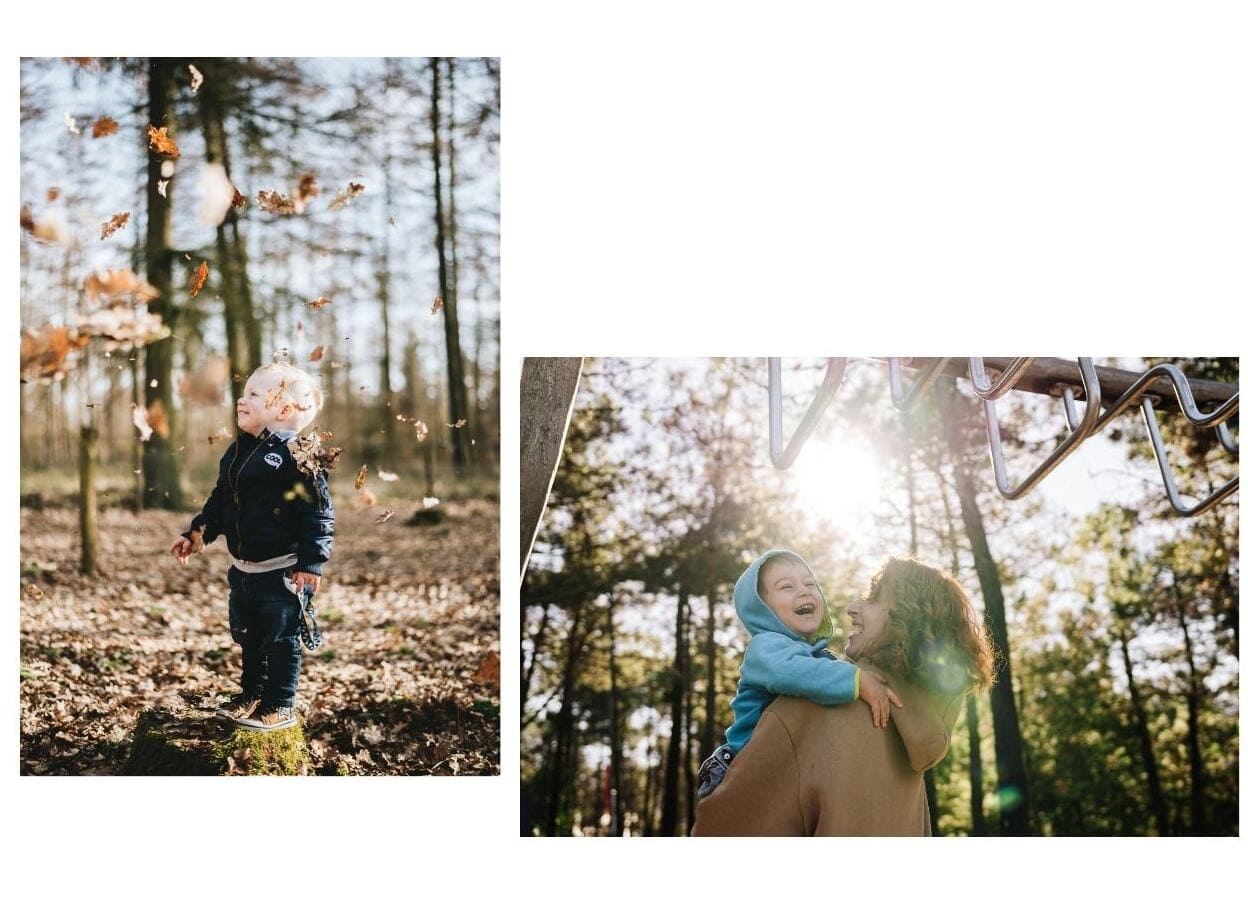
(273, 459)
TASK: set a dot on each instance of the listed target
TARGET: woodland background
(184, 222)
(1116, 706)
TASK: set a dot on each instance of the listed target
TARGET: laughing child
(780, 603)
(272, 504)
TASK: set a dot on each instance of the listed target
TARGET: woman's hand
(872, 691)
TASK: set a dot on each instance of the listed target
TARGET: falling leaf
(200, 277)
(53, 194)
(318, 303)
(274, 395)
(429, 501)
(159, 141)
(157, 419)
(361, 477)
(118, 221)
(118, 283)
(121, 324)
(488, 671)
(197, 79)
(161, 187)
(457, 424)
(45, 231)
(90, 63)
(272, 202)
(221, 435)
(393, 223)
(45, 354)
(310, 453)
(206, 385)
(239, 199)
(385, 516)
(139, 414)
(386, 476)
(103, 127)
(345, 196)
(437, 305)
(305, 190)
(33, 591)
(72, 125)
(317, 353)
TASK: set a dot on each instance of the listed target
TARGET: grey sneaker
(269, 719)
(240, 706)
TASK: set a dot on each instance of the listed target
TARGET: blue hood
(757, 615)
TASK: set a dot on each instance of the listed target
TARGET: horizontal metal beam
(1047, 376)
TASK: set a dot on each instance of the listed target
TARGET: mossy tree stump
(178, 740)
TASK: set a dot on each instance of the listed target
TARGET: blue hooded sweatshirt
(779, 662)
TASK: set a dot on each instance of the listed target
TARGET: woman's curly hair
(934, 636)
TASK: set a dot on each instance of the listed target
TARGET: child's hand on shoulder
(879, 698)
(184, 548)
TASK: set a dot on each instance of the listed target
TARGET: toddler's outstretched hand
(184, 548)
(880, 699)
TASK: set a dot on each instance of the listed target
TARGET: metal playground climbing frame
(1106, 393)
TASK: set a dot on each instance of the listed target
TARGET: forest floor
(406, 683)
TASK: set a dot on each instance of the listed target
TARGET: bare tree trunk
(670, 815)
(162, 479)
(547, 391)
(978, 827)
(617, 751)
(1195, 762)
(1007, 737)
(456, 393)
(1156, 800)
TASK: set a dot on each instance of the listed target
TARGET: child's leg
(275, 620)
(241, 629)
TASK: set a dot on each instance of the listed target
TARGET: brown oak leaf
(361, 477)
(318, 303)
(488, 671)
(317, 353)
(159, 141)
(273, 202)
(437, 305)
(345, 196)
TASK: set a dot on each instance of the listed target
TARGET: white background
(694, 178)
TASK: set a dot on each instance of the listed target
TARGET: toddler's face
(790, 590)
(261, 406)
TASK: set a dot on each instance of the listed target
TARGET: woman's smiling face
(790, 590)
(868, 622)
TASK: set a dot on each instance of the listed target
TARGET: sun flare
(841, 481)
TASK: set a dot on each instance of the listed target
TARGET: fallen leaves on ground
(408, 623)
(118, 221)
(161, 144)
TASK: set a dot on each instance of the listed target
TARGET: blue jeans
(264, 620)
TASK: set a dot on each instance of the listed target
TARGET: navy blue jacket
(266, 507)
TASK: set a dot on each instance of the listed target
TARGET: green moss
(216, 655)
(406, 650)
(332, 616)
(197, 742)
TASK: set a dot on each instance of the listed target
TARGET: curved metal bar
(1224, 436)
(1085, 428)
(992, 389)
(1182, 393)
(1167, 476)
(783, 456)
(904, 399)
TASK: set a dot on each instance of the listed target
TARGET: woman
(826, 770)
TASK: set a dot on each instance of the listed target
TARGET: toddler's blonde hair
(287, 383)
